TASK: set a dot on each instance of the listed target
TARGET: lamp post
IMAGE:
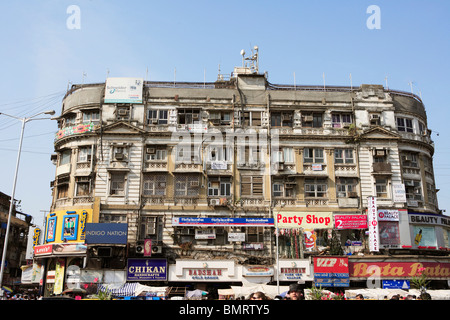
(24, 121)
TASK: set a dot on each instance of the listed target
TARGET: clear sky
(45, 45)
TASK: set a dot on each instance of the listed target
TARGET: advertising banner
(433, 270)
(388, 215)
(220, 222)
(372, 217)
(147, 270)
(106, 233)
(305, 220)
(124, 90)
(350, 221)
(331, 272)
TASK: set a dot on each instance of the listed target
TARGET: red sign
(399, 269)
(350, 221)
(147, 247)
(43, 249)
(330, 265)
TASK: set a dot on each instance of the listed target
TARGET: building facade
(203, 174)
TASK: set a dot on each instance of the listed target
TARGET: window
(123, 112)
(117, 187)
(251, 185)
(150, 228)
(283, 189)
(189, 116)
(313, 155)
(251, 118)
(312, 120)
(316, 188)
(375, 119)
(341, 120)
(186, 153)
(84, 154)
(64, 157)
(249, 154)
(281, 119)
(70, 119)
(381, 187)
(219, 153)
(62, 188)
(219, 186)
(120, 153)
(91, 116)
(157, 116)
(187, 185)
(413, 189)
(83, 186)
(154, 185)
(343, 156)
(220, 117)
(409, 159)
(404, 124)
(288, 154)
(346, 187)
(255, 234)
(155, 153)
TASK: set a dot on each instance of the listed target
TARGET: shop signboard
(305, 220)
(399, 193)
(372, 217)
(221, 222)
(350, 221)
(388, 215)
(396, 284)
(106, 233)
(331, 271)
(147, 270)
(124, 90)
(433, 270)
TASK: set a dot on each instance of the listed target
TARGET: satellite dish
(242, 52)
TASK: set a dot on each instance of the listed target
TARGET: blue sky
(40, 55)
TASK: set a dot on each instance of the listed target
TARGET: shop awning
(133, 289)
(122, 290)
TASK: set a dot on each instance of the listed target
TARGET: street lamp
(24, 121)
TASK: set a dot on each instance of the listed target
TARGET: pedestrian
(359, 297)
(258, 296)
(295, 292)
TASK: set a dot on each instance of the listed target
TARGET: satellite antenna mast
(411, 85)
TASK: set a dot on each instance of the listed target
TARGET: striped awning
(122, 290)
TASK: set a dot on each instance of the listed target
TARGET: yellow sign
(305, 220)
(67, 225)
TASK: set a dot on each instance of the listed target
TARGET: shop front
(384, 274)
(429, 231)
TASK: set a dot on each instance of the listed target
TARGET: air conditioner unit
(150, 150)
(374, 116)
(119, 155)
(154, 121)
(352, 194)
(140, 249)
(123, 112)
(409, 183)
(308, 118)
(214, 202)
(156, 249)
(408, 157)
(380, 152)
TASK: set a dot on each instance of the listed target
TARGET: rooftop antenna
(253, 60)
(323, 76)
(174, 76)
(411, 85)
(82, 78)
(386, 80)
(351, 82)
(295, 86)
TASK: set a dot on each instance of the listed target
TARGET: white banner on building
(399, 192)
(124, 90)
(372, 218)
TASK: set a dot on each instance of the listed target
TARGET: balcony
(155, 166)
(382, 168)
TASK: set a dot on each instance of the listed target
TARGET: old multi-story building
(207, 170)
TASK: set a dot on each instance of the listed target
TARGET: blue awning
(126, 289)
